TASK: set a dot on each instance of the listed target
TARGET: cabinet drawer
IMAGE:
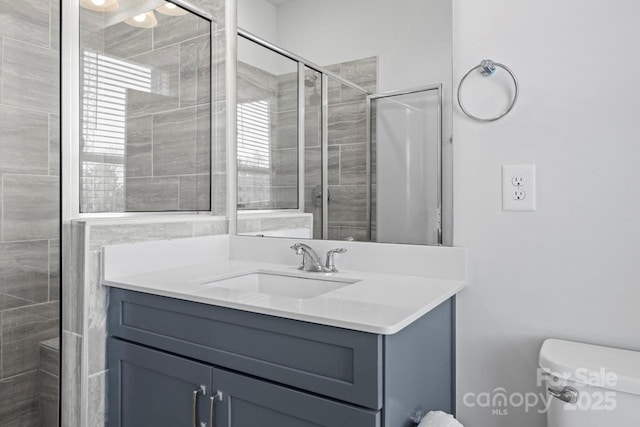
(334, 362)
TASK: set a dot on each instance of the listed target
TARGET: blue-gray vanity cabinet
(152, 388)
(277, 372)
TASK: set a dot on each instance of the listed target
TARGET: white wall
(260, 18)
(570, 270)
(410, 45)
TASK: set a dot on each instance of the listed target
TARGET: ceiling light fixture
(172, 10)
(100, 5)
(144, 20)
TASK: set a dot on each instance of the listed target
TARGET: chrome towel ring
(488, 68)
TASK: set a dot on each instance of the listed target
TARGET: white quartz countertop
(376, 303)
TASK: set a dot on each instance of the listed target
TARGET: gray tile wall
(47, 382)
(29, 194)
(166, 160)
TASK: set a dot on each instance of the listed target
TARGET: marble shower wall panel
(36, 68)
(29, 195)
(25, 134)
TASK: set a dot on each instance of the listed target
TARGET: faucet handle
(330, 263)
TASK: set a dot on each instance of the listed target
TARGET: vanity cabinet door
(248, 402)
(151, 388)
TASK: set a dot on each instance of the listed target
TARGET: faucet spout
(310, 259)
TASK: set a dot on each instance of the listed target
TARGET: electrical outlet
(518, 195)
(519, 188)
(517, 181)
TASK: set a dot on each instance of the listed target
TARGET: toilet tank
(595, 386)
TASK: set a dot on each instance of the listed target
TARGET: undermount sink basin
(280, 284)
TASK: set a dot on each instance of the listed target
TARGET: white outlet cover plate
(528, 175)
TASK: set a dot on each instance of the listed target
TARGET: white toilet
(590, 386)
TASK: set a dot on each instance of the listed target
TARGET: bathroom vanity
(222, 344)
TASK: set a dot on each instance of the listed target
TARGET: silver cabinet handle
(566, 394)
(212, 402)
(203, 390)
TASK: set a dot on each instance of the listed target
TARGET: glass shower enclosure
(29, 212)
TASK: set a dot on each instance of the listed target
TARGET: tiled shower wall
(166, 159)
(29, 196)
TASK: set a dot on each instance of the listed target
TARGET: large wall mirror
(344, 110)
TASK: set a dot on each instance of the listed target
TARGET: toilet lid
(604, 367)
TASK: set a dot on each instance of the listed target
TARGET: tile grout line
(18, 107)
(13, 39)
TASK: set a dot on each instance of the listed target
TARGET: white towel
(439, 419)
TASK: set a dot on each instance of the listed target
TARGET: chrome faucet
(311, 261)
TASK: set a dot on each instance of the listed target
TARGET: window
(254, 155)
(104, 103)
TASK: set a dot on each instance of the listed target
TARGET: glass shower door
(407, 168)
(30, 212)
